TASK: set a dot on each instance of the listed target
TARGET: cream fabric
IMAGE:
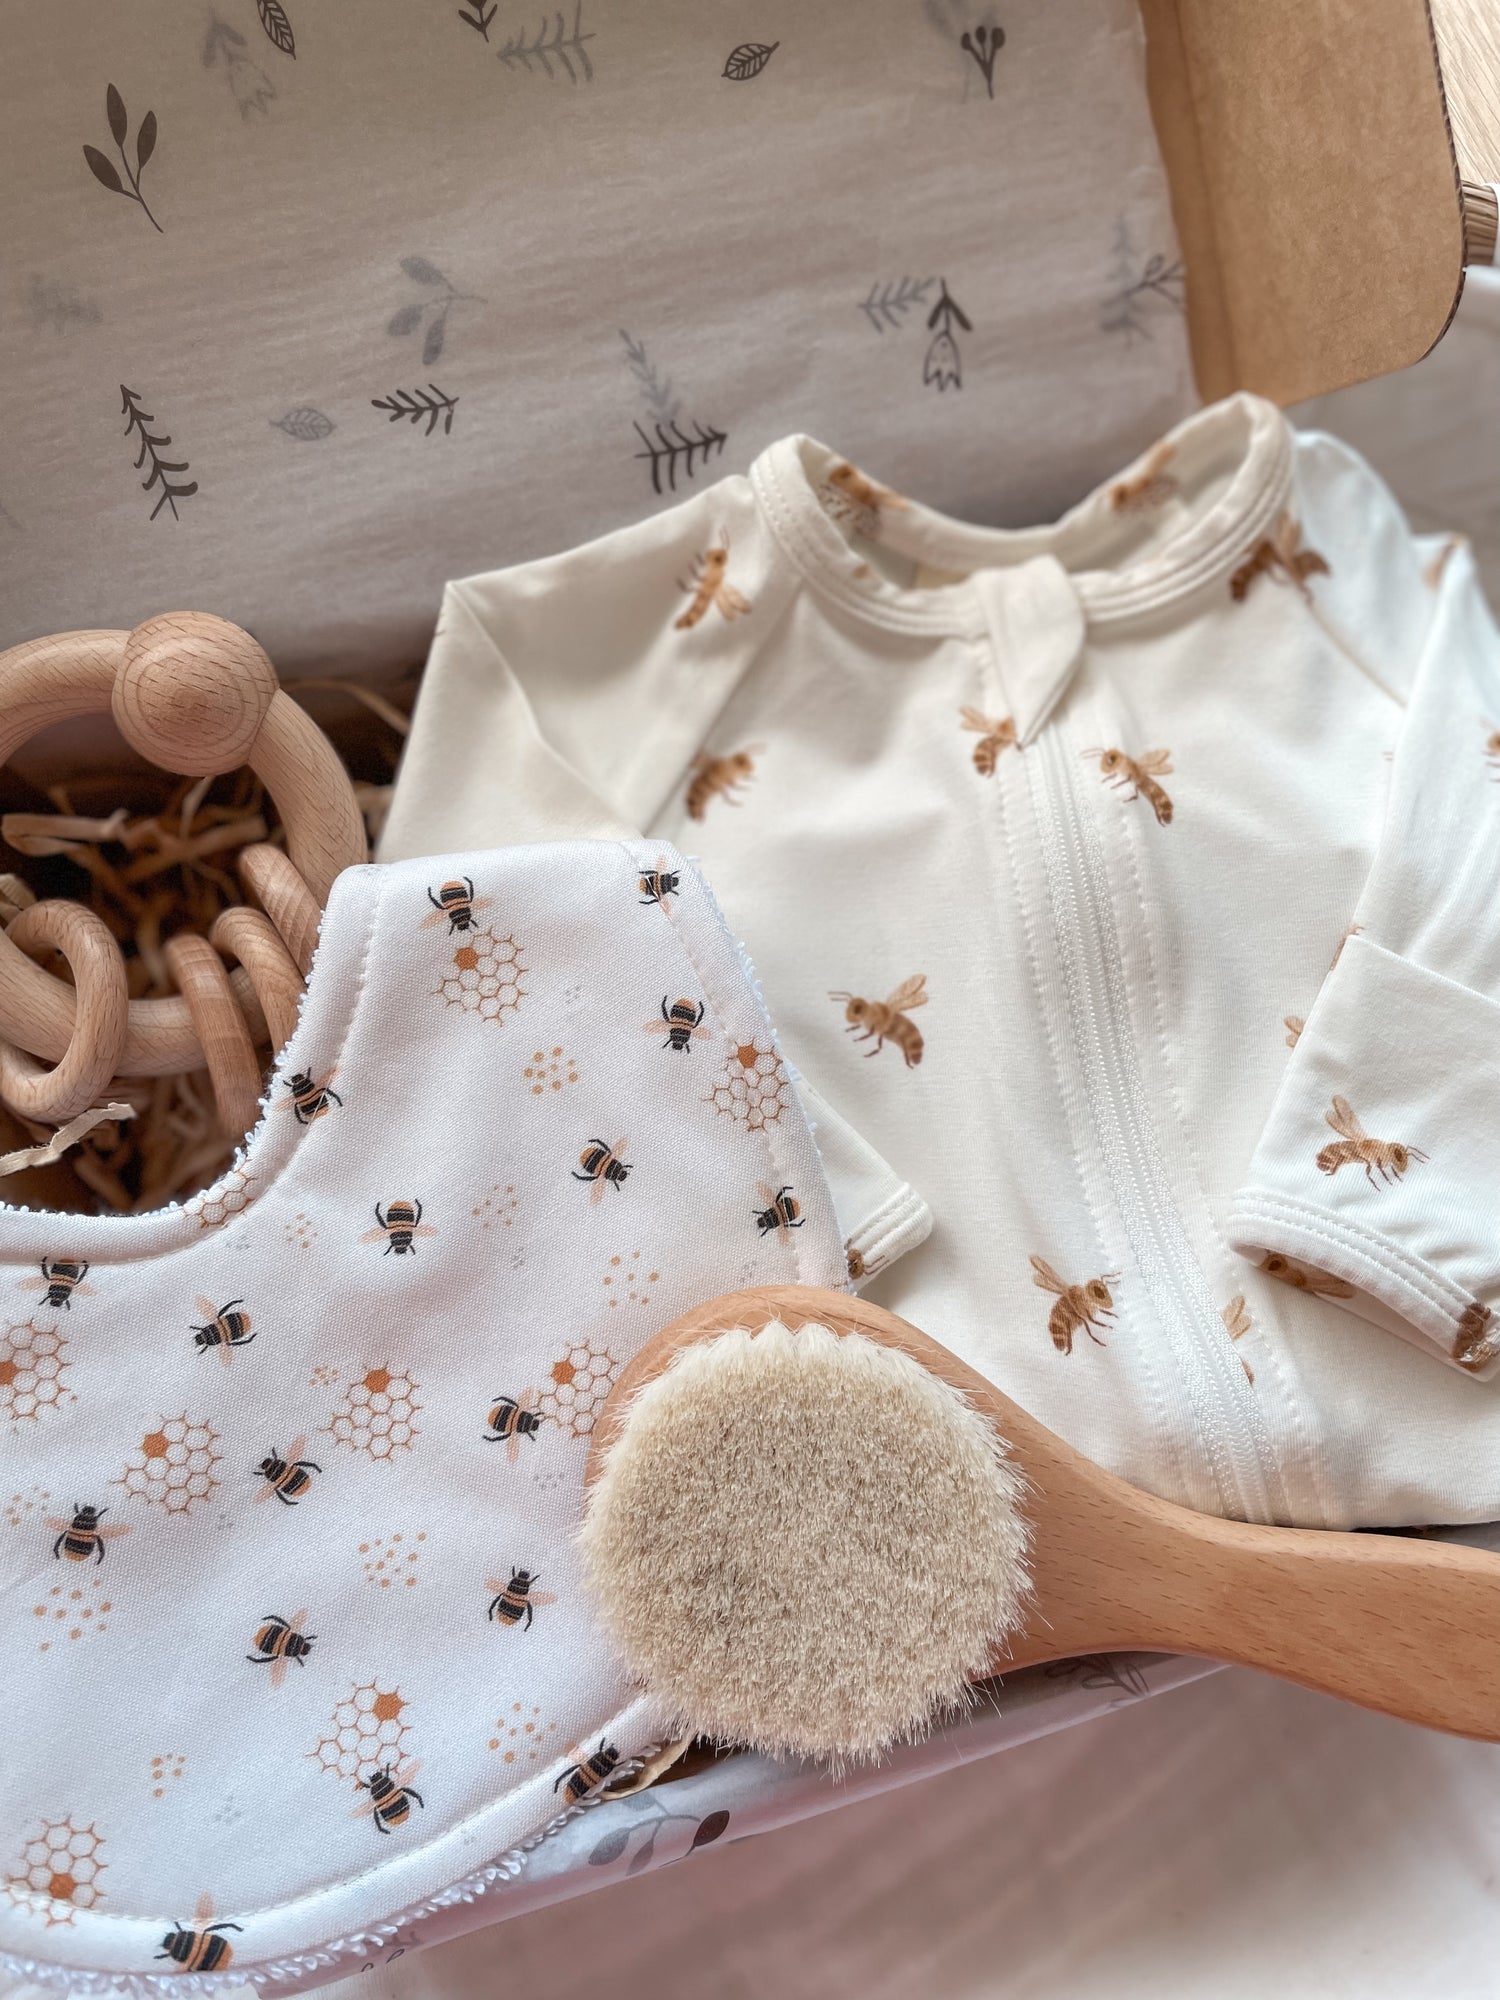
(1094, 806)
(487, 1174)
(568, 222)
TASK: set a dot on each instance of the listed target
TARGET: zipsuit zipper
(1230, 1424)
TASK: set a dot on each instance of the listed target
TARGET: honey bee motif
(1280, 554)
(227, 1328)
(456, 905)
(1387, 1158)
(60, 1280)
(308, 1101)
(1237, 1324)
(1294, 1025)
(656, 884)
(1492, 752)
(399, 1227)
(203, 1949)
(1140, 774)
(1151, 487)
(278, 1640)
(390, 1797)
(709, 587)
(1079, 1308)
(1474, 1343)
(717, 778)
(781, 1211)
(512, 1602)
(84, 1535)
(864, 498)
(1303, 1277)
(602, 1165)
(683, 1020)
(288, 1478)
(995, 733)
(513, 1418)
(592, 1770)
(883, 1021)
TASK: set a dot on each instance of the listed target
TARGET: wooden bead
(285, 898)
(99, 1016)
(192, 693)
(254, 940)
(232, 1067)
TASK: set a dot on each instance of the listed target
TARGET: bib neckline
(334, 984)
(1246, 441)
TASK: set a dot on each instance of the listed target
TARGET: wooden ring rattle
(90, 1059)
(243, 933)
(284, 896)
(197, 696)
(233, 1068)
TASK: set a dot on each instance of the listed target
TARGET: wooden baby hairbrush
(809, 1526)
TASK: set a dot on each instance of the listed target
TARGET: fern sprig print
(250, 87)
(674, 451)
(430, 312)
(103, 168)
(551, 44)
(414, 404)
(478, 17)
(1139, 286)
(152, 446)
(274, 20)
(655, 388)
(888, 304)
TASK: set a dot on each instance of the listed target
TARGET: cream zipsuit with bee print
(1045, 842)
(293, 1638)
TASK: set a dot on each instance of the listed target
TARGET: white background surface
(1231, 1838)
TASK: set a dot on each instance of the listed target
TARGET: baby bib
(294, 1643)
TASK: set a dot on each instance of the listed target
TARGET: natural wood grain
(285, 898)
(254, 940)
(93, 1051)
(1408, 1627)
(192, 693)
(196, 694)
(232, 1066)
(1468, 42)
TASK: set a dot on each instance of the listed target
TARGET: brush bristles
(806, 1543)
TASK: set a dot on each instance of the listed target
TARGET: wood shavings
(164, 864)
(48, 1150)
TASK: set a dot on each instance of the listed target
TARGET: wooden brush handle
(1402, 1624)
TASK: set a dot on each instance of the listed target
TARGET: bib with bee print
(294, 1645)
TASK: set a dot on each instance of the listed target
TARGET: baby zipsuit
(1044, 842)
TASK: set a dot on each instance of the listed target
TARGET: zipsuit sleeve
(1380, 1162)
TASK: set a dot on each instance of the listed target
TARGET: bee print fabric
(1380, 1163)
(294, 1640)
(1044, 841)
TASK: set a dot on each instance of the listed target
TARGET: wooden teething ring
(89, 1061)
(197, 696)
(254, 940)
(232, 1066)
